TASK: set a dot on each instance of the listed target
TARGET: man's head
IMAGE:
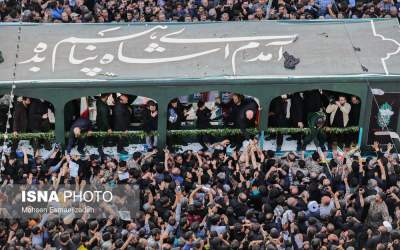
(242, 197)
(104, 13)
(123, 99)
(26, 100)
(259, 12)
(393, 11)
(236, 98)
(225, 17)
(174, 102)
(151, 106)
(201, 105)
(380, 197)
(342, 100)
(355, 100)
(65, 17)
(104, 97)
(64, 238)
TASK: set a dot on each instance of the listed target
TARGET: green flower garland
(49, 136)
(254, 131)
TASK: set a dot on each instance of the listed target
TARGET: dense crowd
(105, 11)
(219, 198)
(225, 196)
(232, 194)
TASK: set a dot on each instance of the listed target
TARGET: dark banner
(384, 116)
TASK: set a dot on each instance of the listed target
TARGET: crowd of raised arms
(106, 11)
(219, 198)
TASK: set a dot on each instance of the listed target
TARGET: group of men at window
(27, 115)
(115, 113)
(237, 111)
(292, 110)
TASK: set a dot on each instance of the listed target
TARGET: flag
(340, 154)
(84, 108)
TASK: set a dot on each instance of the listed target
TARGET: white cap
(387, 225)
(313, 206)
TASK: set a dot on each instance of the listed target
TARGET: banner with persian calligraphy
(174, 50)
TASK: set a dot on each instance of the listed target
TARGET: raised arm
(383, 171)
(193, 194)
(199, 159)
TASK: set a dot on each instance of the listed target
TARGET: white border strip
(388, 55)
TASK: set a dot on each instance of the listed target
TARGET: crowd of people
(224, 196)
(232, 194)
(219, 198)
(105, 11)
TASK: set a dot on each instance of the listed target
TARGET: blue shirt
(323, 5)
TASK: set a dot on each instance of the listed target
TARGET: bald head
(292, 201)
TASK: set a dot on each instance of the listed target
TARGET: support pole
(162, 123)
(59, 125)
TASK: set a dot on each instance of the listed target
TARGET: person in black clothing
(297, 115)
(38, 119)
(71, 113)
(354, 116)
(103, 120)
(176, 114)
(150, 119)
(121, 114)
(355, 110)
(80, 126)
(4, 103)
(279, 115)
(64, 242)
(203, 122)
(121, 117)
(245, 117)
(21, 116)
(235, 104)
(103, 114)
(243, 111)
(313, 101)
